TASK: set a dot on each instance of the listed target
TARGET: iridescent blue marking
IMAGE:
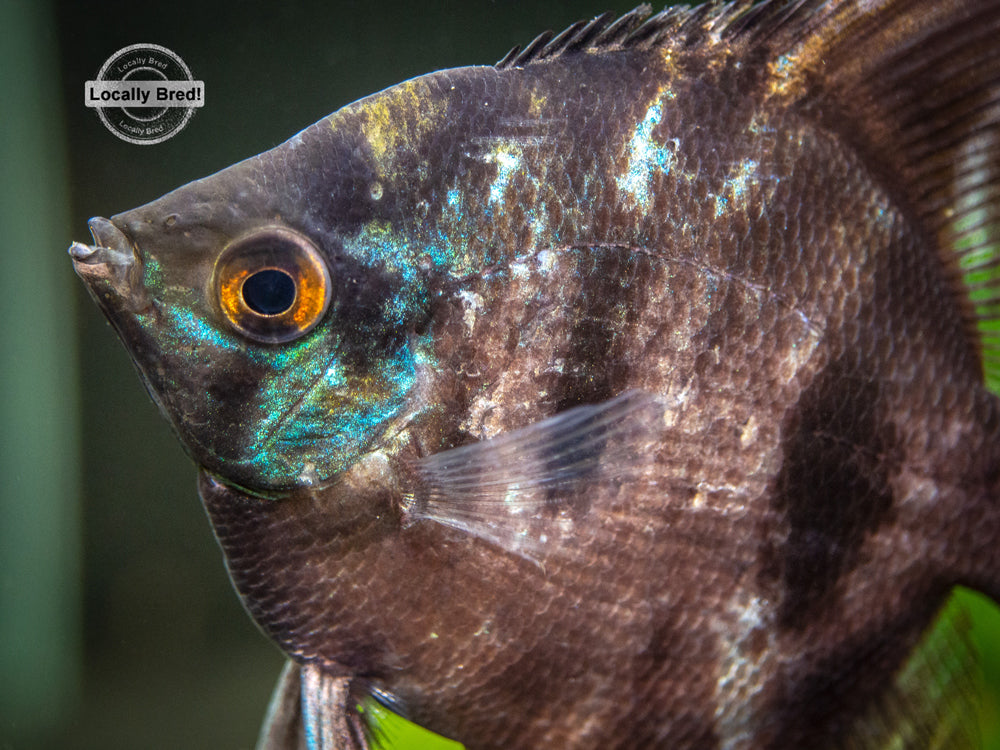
(152, 273)
(646, 157)
(735, 187)
(319, 423)
(507, 163)
(180, 326)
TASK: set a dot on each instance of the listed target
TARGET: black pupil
(269, 292)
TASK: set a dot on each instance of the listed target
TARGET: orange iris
(250, 299)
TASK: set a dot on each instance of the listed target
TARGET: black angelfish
(629, 393)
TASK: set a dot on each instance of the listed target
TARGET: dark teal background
(118, 626)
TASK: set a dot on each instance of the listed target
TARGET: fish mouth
(110, 263)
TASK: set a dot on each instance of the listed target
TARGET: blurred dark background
(118, 626)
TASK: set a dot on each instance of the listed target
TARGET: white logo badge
(144, 94)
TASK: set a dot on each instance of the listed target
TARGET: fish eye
(272, 285)
(269, 292)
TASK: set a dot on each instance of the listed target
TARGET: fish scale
(642, 401)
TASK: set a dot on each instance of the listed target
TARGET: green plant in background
(985, 635)
(389, 731)
(977, 244)
(39, 495)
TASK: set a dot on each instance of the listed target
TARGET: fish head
(280, 311)
(277, 351)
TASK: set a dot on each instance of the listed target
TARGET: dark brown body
(826, 467)
(784, 543)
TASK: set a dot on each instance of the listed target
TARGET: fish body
(626, 393)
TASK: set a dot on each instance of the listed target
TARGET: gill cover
(277, 354)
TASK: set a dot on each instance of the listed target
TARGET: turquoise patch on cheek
(319, 425)
(185, 328)
(152, 273)
(311, 417)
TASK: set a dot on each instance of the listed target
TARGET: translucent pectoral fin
(526, 489)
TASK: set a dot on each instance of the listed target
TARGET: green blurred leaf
(985, 635)
(389, 731)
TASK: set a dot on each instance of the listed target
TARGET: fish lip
(112, 261)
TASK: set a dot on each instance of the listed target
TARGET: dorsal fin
(678, 25)
(634, 29)
(915, 86)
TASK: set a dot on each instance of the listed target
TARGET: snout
(110, 264)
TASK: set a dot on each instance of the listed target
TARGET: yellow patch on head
(396, 120)
(537, 104)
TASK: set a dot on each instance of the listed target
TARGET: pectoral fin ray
(524, 490)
